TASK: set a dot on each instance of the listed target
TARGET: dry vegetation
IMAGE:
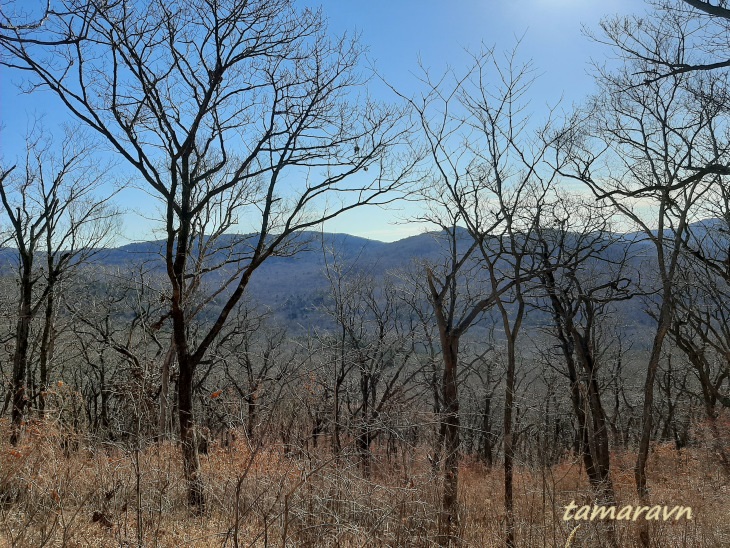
(58, 489)
(251, 125)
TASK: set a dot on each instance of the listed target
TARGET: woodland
(558, 334)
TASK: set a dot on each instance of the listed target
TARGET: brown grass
(60, 490)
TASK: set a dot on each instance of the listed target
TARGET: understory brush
(59, 489)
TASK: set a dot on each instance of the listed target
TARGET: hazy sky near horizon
(397, 35)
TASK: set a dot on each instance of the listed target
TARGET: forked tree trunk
(178, 245)
(594, 448)
(601, 456)
(579, 408)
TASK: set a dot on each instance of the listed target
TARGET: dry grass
(56, 490)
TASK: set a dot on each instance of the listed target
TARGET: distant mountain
(294, 285)
(698, 229)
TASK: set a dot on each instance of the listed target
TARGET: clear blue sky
(396, 33)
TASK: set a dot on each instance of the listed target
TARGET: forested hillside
(546, 364)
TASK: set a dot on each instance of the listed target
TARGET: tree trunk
(647, 414)
(46, 353)
(251, 413)
(441, 427)
(579, 408)
(20, 356)
(339, 377)
(601, 453)
(449, 518)
(363, 438)
(509, 445)
(363, 449)
(486, 445)
(105, 393)
(594, 449)
(164, 392)
(191, 460)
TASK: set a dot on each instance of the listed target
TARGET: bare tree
(52, 210)
(584, 272)
(511, 182)
(115, 333)
(650, 160)
(700, 26)
(701, 320)
(689, 38)
(340, 309)
(701, 329)
(254, 355)
(378, 339)
(456, 307)
(244, 112)
(492, 180)
(416, 296)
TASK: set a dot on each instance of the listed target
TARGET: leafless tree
(482, 369)
(255, 358)
(650, 155)
(239, 112)
(414, 293)
(491, 179)
(513, 179)
(52, 212)
(119, 344)
(457, 306)
(700, 328)
(689, 38)
(701, 320)
(585, 270)
(700, 26)
(377, 336)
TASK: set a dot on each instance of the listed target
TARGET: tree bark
(449, 517)
(188, 438)
(164, 392)
(20, 356)
(509, 450)
(46, 353)
(647, 418)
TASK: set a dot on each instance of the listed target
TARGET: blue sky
(396, 34)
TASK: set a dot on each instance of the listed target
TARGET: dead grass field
(59, 491)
